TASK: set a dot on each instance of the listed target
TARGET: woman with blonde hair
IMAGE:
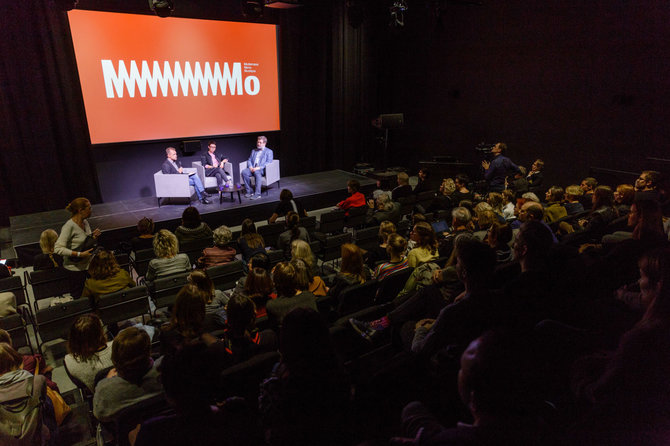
(168, 259)
(48, 259)
(300, 250)
(221, 253)
(378, 253)
(396, 247)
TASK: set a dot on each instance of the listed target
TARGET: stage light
(397, 10)
(252, 9)
(162, 8)
(283, 4)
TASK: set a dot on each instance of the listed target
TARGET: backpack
(422, 276)
(21, 407)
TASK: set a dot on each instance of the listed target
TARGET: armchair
(173, 186)
(271, 174)
(210, 182)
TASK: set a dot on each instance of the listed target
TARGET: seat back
(128, 418)
(356, 297)
(275, 256)
(356, 217)
(242, 379)
(225, 276)
(165, 289)
(309, 223)
(54, 322)
(315, 246)
(193, 248)
(367, 238)
(16, 327)
(391, 285)
(332, 222)
(331, 246)
(402, 227)
(15, 285)
(141, 259)
(424, 199)
(270, 233)
(168, 185)
(124, 304)
(49, 283)
(406, 204)
(123, 260)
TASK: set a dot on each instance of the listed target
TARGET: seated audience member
(422, 183)
(32, 362)
(460, 224)
(533, 211)
(168, 260)
(242, 339)
(188, 377)
(47, 259)
(425, 249)
(258, 287)
(499, 237)
(301, 250)
(355, 200)
(602, 212)
(289, 296)
(383, 210)
(572, 203)
(306, 400)
(485, 218)
(403, 189)
(499, 385)
(106, 277)
(286, 204)
(588, 186)
(293, 232)
(250, 241)
(443, 199)
(192, 227)
(396, 248)
(624, 195)
(221, 253)
(462, 192)
(379, 253)
(133, 378)
(215, 302)
(352, 270)
(509, 200)
(259, 260)
(187, 320)
(89, 350)
(535, 177)
(145, 240)
(14, 380)
(477, 210)
(647, 186)
(495, 200)
(520, 183)
(554, 210)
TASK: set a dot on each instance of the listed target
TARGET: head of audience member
(353, 186)
(300, 249)
(424, 173)
(284, 278)
(475, 262)
(602, 197)
(241, 313)
(293, 223)
(258, 281)
(396, 247)
(480, 208)
(417, 217)
(10, 359)
(165, 244)
(508, 196)
(520, 201)
(131, 354)
(188, 313)
(87, 336)
(572, 193)
(103, 265)
(499, 236)
(285, 195)
(655, 287)
(648, 180)
(249, 233)
(447, 187)
(499, 149)
(531, 211)
(495, 200)
(588, 184)
(486, 218)
(302, 275)
(259, 260)
(384, 202)
(461, 180)
(386, 228)
(403, 179)
(554, 194)
(305, 343)
(222, 236)
(80, 208)
(145, 226)
(646, 219)
(202, 281)
(48, 239)
(187, 378)
(624, 194)
(190, 218)
(352, 261)
(424, 236)
(532, 245)
(460, 218)
(498, 381)
(537, 166)
(467, 204)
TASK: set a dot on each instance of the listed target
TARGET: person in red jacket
(356, 199)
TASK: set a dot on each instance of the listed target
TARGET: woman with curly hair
(426, 245)
(106, 277)
(221, 253)
(168, 259)
(89, 350)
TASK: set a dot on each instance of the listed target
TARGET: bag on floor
(21, 409)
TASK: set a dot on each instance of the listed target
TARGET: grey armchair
(210, 182)
(173, 185)
(271, 174)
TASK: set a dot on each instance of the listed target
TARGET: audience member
(145, 240)
(572, 203)
(192, 227)
(168, 260)
(554, 210)
(422, 183)
(301, 250)
(258, 287)
(588, 186)
(403, 189)
(221, 253)
(106, 277)
(624, 195)
(647, 186)
(520, 184)
(462, 192)
(250, 241)
(396, 248)
(383, 210)
(355, 200)
(187, 320)
(215, 301)
(378, 253)
(426, 245)
(352, 270)
(443, 199)
(499, 237)
(293, 232)
(289, 296)
(286, 204)
(89, 350)
(47, 259)
(509, 200)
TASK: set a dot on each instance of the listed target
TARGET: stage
(117, 220)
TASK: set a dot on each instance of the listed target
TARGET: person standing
(260, 157)
(498, 168)
(173, 167)
(215, 166)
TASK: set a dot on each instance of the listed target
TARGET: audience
(352, 270)
(293, 232)
(572, 203)
(383, 210)
(192, 227)
(403, 189)
(462, 192)
(259, 288)
(624, 195)
(250, 241)
(300, 250)
(425, 249)
(146, 228)
(588, 186)
(355, 199)
(187, 321)
(396, 248)
(289, 295)
(168, 260)
(106, 277)
(286, 204)
(48, 259)
(378, 253)
(221, 253)
(535, 177)
(215, 300)
(89, 352)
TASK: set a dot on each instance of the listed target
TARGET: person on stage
(215, 166)
(260, 157)
(497, 170)
(173, 167)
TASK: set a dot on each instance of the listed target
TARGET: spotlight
(252, 8)
(162, 8)
(397, 11)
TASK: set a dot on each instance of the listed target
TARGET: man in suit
(173, 167)
(260, 157)
(214, 166)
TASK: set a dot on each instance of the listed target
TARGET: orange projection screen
(149, 78)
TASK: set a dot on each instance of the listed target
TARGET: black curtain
(46, 159)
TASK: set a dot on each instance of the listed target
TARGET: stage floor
(117, 220)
